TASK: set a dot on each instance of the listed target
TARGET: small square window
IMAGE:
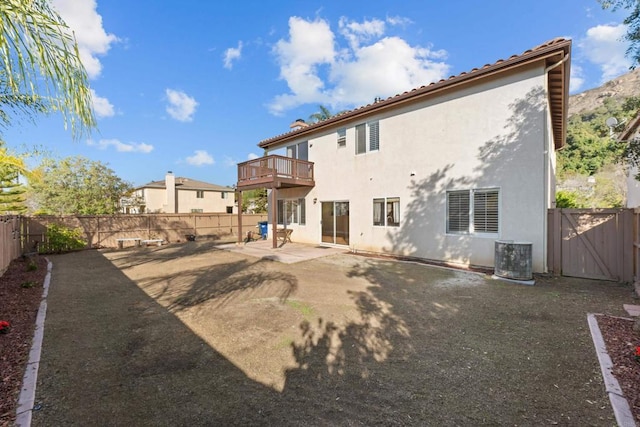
(342, 137)
(200, 194)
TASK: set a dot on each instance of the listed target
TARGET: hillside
(619, 88)
(589, 172)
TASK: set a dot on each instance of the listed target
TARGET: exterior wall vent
(513, 260)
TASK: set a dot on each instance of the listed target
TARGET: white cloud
(310, 45)
(356, 32)
(121, 147)
(577, 79)
(399, 20)
(93, 41)
(101, 106)
(200, 158)
(388, 67)
(252, 156)
(181, 106)
(603, 46)
(317, 70)
(232, 54)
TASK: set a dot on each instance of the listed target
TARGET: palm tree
(40, 67)
(323, 114)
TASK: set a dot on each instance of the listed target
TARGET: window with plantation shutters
(374, 136)
(473, 211)
(485, 211)
(458, 207)
(367, 137)
(361, 139)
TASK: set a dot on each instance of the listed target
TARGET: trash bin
(263, 229)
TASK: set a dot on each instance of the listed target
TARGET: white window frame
(291, 211)
(471, 214)
(371, 137)
(342, 137)
(293, 151)
(199, 194)
(387, 208)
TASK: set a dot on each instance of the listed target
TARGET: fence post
(627, 237)
(636, 249)
(557, 242)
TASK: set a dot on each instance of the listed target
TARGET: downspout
(546, 177)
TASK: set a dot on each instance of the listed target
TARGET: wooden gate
(592, 243)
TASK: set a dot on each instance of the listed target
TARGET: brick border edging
(28, 392)
(620, 406)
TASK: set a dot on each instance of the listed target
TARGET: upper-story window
(299, 151)
(367, 137)
(200, 194)
(224, 195)
(342, 137)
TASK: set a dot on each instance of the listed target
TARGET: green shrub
(62, 239)
(567, 199)
(31, 265)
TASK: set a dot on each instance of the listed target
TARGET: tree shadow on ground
(221, 283)
(427, 346)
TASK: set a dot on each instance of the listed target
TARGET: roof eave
(561, 47)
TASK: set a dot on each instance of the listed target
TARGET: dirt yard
(191, 335)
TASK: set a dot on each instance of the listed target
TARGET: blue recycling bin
(263, 229)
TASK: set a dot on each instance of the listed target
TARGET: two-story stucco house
(439, 172)
(181, 195)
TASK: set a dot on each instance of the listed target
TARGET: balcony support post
(274, 217)
(239, 198)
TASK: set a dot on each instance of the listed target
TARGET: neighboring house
(180, 195)
(439, 173)
(631, 133)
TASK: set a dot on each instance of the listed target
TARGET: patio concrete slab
(289, 253)
(633, 310)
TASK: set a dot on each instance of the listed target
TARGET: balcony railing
(275, 171)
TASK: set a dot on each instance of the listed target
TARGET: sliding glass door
(335, 223)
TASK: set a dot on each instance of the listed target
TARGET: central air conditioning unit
(513, 260)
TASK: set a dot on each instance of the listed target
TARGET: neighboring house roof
(186, 184)
(631, 129)
(555, 52)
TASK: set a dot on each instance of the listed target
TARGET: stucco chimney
(298, 124)
(170, 185)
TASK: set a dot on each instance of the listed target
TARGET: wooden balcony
(275, 172)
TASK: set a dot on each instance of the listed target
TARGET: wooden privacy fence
(10, 240)
(104, 230)
(594, 243)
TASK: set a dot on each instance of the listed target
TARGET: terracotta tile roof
(187, 184)
(551, 51)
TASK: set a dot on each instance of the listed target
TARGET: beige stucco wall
(156, 201)
(490, 135)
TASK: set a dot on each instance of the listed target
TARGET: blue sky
(193, 86)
